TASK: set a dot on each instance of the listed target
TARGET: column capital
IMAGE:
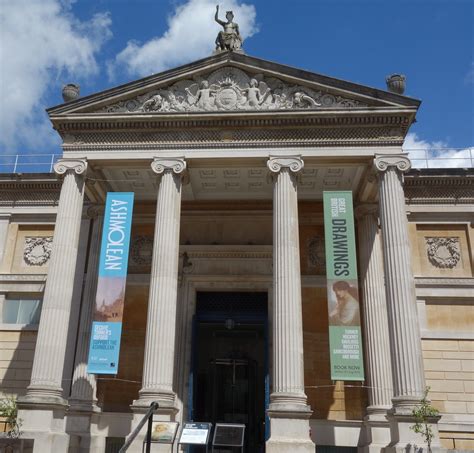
(384, 161)
(367, 209)
(79, 166)
(176, 164)
(293, 163)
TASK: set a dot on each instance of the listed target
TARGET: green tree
(9, 410)
(424, 413)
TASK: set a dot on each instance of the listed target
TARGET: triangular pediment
(232, 82)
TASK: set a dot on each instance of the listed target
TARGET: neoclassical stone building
(226, 314)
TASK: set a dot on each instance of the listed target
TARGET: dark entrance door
(230, 363)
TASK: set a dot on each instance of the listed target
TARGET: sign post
(195, 434)
(345, 341)
(229, 435)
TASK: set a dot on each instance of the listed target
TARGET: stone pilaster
(157, 383)
(4, 224)
(376, 339)
(46, 376)
(288, 411)
(404, 332)
(84, 385)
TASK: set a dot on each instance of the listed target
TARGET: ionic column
(46, 376)
(376, 338)
(377, 346)
(84, 385)
(157, 383)
(404, 332)
(288, 409)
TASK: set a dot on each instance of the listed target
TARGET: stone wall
(16, 360)
(449, 370)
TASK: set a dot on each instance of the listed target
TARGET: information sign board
(163, 432)
(195, 433)
(228, 435)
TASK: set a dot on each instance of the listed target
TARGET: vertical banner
(104, 346)
(345, 340)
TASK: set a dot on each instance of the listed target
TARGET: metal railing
(441, 157)
(148, 417)
(28, 163)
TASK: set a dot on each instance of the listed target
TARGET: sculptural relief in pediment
(230, 89)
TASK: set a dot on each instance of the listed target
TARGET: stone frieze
(230, 89)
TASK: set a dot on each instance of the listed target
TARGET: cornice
(30, 185)
(22, 278)
(467, 282)
(464, 179)
(29, 193)
(93, 132)
(323, 117)
(439, 189)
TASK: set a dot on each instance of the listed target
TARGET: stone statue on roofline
(229, 38)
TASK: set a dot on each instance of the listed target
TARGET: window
(21, 310)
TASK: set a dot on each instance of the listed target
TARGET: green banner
(345, 339)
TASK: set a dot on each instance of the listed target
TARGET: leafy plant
(9, 411)
(423, 414)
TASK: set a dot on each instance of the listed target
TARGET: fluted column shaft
(405, 342)
(46, 376)
(84, 384)
(159, 360)
(377, 345)
(288, 362)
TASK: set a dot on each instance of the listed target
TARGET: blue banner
(106, 331)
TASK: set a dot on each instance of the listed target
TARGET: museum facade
(225, 315)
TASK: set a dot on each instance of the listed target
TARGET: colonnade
(394, 361)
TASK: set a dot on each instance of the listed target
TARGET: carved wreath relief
(230, 89)
(443, 252)
(316, 252)
(37, 250)
(141, 250)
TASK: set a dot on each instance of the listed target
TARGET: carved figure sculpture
(229, 38)
(302, 100)
(254, 95)
(153, 104)
(230, 89)
(204, 97)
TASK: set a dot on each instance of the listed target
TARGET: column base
(403, 438)
(45, 423)
(289, 425)
(164, 398)
(81, 425)
(44, 397)
(377, 430)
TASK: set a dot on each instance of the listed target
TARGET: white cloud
(42, 46)
(469, 79)
(439, 154)
(190, 35)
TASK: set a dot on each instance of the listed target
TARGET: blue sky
(104, 43)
